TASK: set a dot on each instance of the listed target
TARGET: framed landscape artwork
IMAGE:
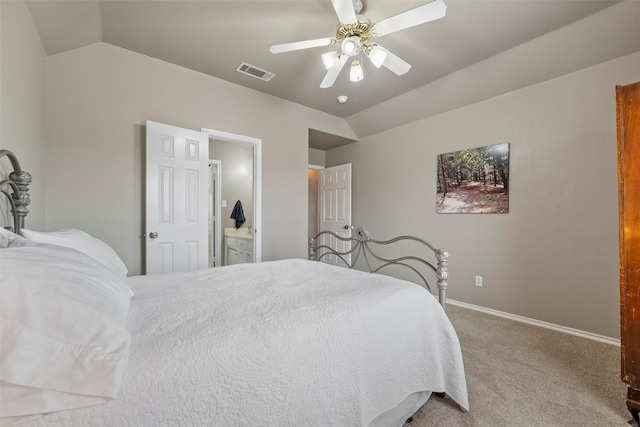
(474, 180)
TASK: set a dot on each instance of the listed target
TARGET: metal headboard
(16, 190)
(361, 244)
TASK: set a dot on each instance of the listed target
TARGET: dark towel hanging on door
(238, 214)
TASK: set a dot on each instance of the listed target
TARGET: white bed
(281, 343)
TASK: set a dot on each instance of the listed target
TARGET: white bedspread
(283, 343)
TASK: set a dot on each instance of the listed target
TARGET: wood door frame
(628, 126)
(257, 182)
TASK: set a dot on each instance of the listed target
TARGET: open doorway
(319, 144)
(313, 219)
(239, 177)
(234, 237)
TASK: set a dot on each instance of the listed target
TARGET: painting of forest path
(474, 180)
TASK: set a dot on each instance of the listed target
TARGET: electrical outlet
(478, 280)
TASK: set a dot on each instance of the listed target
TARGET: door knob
(346, 227)
(153, 234)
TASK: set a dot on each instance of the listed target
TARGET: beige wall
(554, 256)
(22, 101)
(98, 100)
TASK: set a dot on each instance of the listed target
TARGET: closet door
(628, 118)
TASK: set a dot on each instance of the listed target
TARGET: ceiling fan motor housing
(352, 37)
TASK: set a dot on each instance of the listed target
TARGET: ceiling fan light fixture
(351, 45)
(354, 33)
(355, 75)
(377, 56)
(330, 59)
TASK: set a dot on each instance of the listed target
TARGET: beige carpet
(523, 375)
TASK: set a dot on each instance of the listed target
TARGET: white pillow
(8, 238)
(65, 343)
(83, 242)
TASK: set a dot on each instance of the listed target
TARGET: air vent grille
(256, 72)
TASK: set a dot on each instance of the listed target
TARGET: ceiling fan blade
(288, 47)
(394, 63)
(345, 11)
(333, 72)
(419, 15)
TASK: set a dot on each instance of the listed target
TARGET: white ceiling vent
(256, 72)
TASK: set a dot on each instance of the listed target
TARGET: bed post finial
(442, 274)
(22, 179)
(312, 248)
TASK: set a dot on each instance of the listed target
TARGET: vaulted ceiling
(215, 37)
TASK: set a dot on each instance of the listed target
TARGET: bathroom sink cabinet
(238, 250)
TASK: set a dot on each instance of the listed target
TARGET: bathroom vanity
(238, 244)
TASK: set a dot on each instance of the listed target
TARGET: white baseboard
(577, 332)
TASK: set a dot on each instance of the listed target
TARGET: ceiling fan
(354, 36)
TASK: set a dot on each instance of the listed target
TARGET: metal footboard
(361, 243)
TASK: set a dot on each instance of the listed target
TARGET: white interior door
(334, 206)
(177, 162)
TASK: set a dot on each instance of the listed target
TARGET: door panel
(335, 209)
(177, 162)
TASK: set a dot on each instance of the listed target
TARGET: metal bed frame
(361, 243)
(16, 189)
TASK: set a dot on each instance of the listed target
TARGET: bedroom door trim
(257, 182)
(215, 228)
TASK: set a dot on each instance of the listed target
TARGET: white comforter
(283, 343)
